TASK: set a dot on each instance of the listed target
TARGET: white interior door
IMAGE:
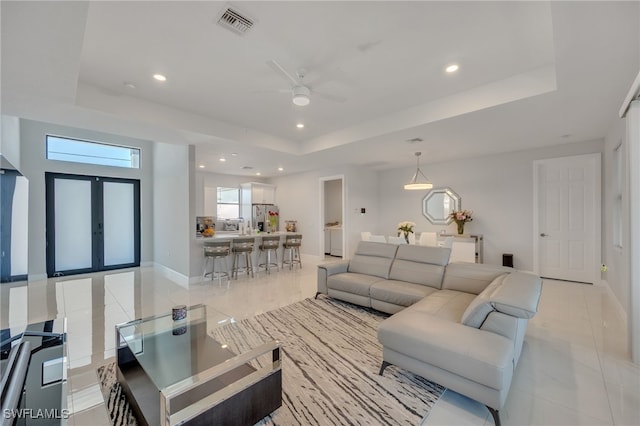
(567, 218)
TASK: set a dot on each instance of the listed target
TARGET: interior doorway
(332, 208)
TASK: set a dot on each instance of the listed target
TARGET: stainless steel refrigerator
(265, 215)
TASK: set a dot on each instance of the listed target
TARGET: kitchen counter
(229, 235)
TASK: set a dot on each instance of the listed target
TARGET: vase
(460, 228)
(406, 237)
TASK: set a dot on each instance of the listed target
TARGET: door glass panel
(118, 222)
(72, 210)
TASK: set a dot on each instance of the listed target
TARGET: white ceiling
(531, 73)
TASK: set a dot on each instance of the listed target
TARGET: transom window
(88, 152)
(228, 203)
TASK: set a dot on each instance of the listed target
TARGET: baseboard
(619, 308)
(180, 279)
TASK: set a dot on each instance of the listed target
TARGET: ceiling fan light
(301, 95)
(301, 100)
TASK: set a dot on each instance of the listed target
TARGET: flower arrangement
(273, 220)
(406, 227)
(461, 217)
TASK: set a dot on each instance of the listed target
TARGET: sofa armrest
(325, 270)
(477, 355)
(519, 295)
(335, 267)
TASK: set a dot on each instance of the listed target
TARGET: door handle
(543, 235)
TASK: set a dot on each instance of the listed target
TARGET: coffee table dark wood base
(246, 407)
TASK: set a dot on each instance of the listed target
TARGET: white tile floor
(574, 368)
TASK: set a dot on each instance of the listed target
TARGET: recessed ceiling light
(280, 169)
(129, 85)
(201, 166)
(234, 154)
(222, 159)
(258, 173)
(452, 68)
(160, 77)
(300, 126)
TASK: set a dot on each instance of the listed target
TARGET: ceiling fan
(301, 92)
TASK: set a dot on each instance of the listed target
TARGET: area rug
(330, 362)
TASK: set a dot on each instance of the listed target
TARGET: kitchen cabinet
(255, 193)
(333, 241)
(258, 193)
(327, 241)
(336, 242)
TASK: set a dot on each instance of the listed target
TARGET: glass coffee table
(175, 372)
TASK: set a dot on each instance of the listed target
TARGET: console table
(475, 239)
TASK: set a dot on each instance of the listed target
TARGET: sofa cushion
(350, 282)
(373, 259)
(446, 304)
(481, 305)
(471, 277)
(399, 292)
(420, 265)
(477, 355)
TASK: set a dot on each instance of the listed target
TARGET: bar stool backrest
(270, 242)
(217, 248)
(243, 244)
(293, 240)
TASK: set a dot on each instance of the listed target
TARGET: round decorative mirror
(438, 203)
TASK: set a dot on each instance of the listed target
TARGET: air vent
(234, 21)
(247, 168)
(415, 140)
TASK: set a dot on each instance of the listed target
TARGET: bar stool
(216, 250)
(267, 246)
(291, 246)
(242, 247)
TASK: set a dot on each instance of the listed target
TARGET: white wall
(171, 207)
(498, 188)
(298, 197)
(10, 140)
(34, 164)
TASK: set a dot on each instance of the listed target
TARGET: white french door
(93, 223)
(567, 218)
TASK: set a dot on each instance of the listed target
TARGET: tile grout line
(598, 354)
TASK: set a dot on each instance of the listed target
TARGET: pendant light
(415, 183)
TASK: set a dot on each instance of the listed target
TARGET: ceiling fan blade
(272, 91)
(329, 97)
(278, 68)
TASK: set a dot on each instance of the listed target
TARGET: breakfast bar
(255, 252)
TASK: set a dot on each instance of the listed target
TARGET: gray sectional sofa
(461, 325)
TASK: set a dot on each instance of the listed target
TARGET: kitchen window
(228, 203)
